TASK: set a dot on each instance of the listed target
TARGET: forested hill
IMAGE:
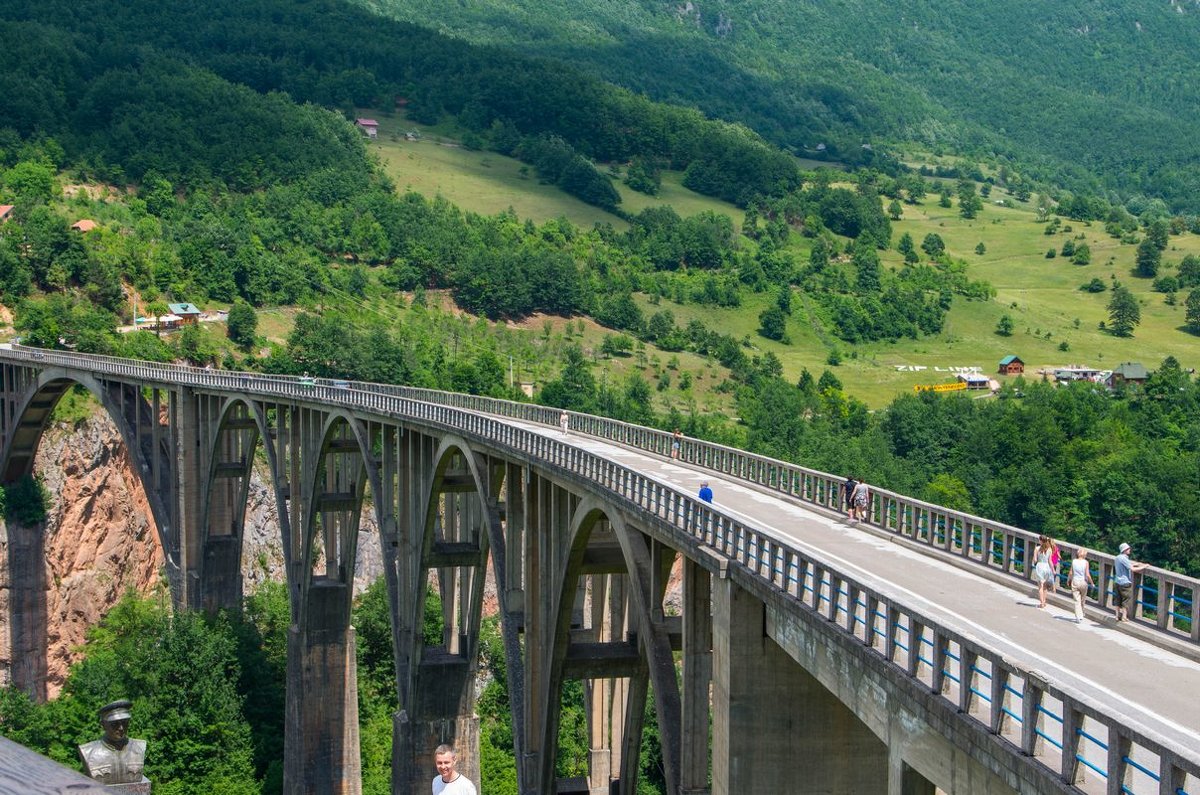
(164, 87)
(1079, 92)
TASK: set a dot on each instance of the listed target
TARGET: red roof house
(5, 211)
(84, 225)
(370, 127)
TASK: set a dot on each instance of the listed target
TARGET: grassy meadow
(1041, 295)
(435, 164)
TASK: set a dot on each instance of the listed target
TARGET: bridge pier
(775, 727)
(321, 749)
(23, 598)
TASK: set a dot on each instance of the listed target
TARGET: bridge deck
(1152, 690)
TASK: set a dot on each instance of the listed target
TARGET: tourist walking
(449, 781)
(676, 440)
(1123, 571)
(705, 493)
(1043, 574)
(1055, 563)
(862, 498)
(1081, 580)
(848, 495)
(564, 422)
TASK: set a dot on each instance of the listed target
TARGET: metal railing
(1009, 700)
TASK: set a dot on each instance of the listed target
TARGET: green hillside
(1041, 295)
(1010, 83)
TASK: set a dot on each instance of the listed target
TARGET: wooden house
(1011, 365)
(1128, 373)
(187, 313)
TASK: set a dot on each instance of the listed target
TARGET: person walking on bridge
(1081, 580)
(861, 499)
(848, 495)
(705, 492)
(1043, 570)
(564, 421)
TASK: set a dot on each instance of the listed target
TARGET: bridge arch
(458, 520)
(240, 427)
(127, 409)
(605, 632)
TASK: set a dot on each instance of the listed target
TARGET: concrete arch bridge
(902, 655)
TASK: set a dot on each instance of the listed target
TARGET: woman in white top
(1081, 580)
(1043, 570)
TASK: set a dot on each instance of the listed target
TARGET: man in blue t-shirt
(1123, 571)
(705, 492)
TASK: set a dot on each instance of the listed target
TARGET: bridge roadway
(1146, 687)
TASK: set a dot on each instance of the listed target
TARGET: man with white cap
(116, 759)
(1123, 571)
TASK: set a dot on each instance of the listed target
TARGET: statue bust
(115, 759)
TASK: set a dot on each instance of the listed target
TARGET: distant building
(370, 127)
(167, 322)
(187, 313)
(5, 212)
(84, 225)
(1076, 373)
(974, 380)
(1128, 373)
(1011, 365)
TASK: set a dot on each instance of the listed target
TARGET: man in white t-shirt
(449, 781)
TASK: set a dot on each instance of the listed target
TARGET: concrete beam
(601, 660)
(766, 709)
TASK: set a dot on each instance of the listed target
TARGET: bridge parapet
(1166, 601)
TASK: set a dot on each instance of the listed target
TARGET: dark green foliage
(772, 324)
(1166, 284)
(1189, 271)
(1124, 314)
(1094, 286)
(242, 324)
(1192, 318)
(969, 203)
(182, 672)
(26, 501)
(1148, 259)
(933, 245)
(1004, 326)
(261, 634)
(644, 176)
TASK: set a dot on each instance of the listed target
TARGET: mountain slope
(1090, 94)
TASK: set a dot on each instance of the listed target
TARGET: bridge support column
(775, 727)
(437, 716)
(23, 598)
(697, 678)
(321, 751)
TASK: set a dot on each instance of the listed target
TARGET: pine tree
(1192, 318)
(1124, 314)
